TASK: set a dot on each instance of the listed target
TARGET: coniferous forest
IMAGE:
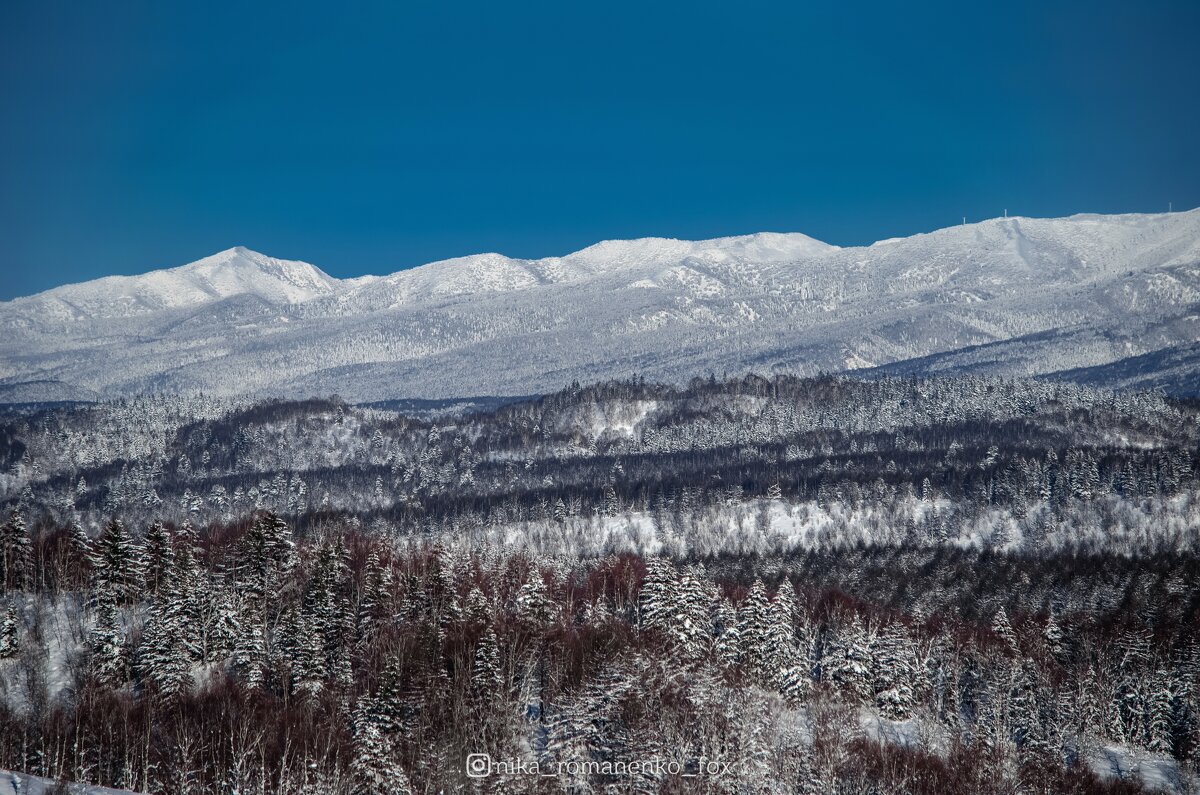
(787, 585)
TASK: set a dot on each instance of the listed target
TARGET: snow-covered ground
(20, 784)
(1157, 773)
(62, 638)
(1017, 296)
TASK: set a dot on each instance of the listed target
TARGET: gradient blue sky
(367, 137)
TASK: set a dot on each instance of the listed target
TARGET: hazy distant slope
(1019, 296)
(1174, 370)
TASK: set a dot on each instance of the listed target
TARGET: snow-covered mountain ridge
(1015, 296)
(233, 272)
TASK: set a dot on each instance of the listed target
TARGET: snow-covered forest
(749, 466)
(789, 585)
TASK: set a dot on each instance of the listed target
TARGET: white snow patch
(20, 784)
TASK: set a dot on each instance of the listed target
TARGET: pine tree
(375, 770)
(808, 779)
(441, 575)
(605, 735)
(220, 625)
(250, 653)
(692, 625)
(676, 605)
(172, 637)
(1003, 629)
(532, 605)
(477, 610)
(659, 596)
(10, 639)
(728, 643)
(1184, 726)
(108, 662)
(372, 605)
(163, 660)
(388, 708)
(1027, 714)
(80, 547)
(158, 554)
(798, 681)
(116, 565)
(1055, 640)
(1125, 722)
(16, 555)
(795, 683)
(752, 620)
(266, 555)
(326, 609)
(1160, 704)
(847, 661)
(894, 671)
(758, 637)
(942, 673)
(184, 591)
(485, 671)
(306, 649)
(784, 667)
(1127, 713)
(415, 604)
(784, 614)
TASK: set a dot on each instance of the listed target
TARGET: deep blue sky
(374, 137)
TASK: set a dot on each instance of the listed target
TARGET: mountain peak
(233, 253)
(240, 270)
(238, 256)
(231, 272)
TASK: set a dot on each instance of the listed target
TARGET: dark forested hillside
(788, 585)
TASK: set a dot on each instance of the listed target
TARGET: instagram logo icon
(478, 765)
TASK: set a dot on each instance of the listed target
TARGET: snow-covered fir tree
(116, 565)
(16, 554)
(10, 632)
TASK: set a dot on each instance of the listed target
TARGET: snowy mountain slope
(1018, 296)
(1174, 370)
(495, 273)
(233, 272)
(44, 392)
